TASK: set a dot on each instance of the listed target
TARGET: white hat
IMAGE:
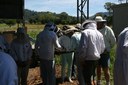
(99, 19)
(78, 26)
(86, 22)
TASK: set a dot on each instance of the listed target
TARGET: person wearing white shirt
(90, 47)
(75, 44)
(121, 61)
(67, 58)
(110, 41)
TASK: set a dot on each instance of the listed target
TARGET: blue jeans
(47, 69)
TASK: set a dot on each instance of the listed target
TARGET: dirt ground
(34, 77)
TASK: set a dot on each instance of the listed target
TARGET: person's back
(121, 60)
(21, 52)
(46, 40)
(90, 47)
(8, 70)
(92, 43)
(46, 43)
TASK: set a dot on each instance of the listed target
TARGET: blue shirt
(8, 70)
(46, 43)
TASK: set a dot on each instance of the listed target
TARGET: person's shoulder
(5, 57)
(108, 27)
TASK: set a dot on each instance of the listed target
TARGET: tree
(108, 6)
(10, 22)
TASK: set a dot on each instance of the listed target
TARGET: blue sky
(68, 6)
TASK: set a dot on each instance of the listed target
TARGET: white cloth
(75, 40)
(109, 38)
(46, 43)
(91, 43)
(8, 70)
(121, 61)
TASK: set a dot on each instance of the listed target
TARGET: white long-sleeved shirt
(91, 43)
(46, 43)
(109, 37)
(8, 70)
(75, 40)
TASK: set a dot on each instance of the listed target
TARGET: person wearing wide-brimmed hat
(90, 47)
(67, 58)
(110, 41)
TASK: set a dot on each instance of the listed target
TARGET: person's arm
(30, 51)
(112, 38)
(102, 43)
(56, 43)
(81, 52)
(125, 45)
(37, 45)
(73, 43)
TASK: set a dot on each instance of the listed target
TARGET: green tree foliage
(44, 17)
(10, 22)
(108, 6)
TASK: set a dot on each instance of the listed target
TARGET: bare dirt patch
(34, 77)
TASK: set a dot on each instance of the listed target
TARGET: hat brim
(71, 29)
(100, 20)
(86, 22)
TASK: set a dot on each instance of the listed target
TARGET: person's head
(65, 27)
(59, 32)
(21, 32)
(88, 24)
(100, 22)
(70, 31)
(50, 26)
(78, 26)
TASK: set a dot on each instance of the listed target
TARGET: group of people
(85, 47)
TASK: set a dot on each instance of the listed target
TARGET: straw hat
(70, 29)
(99, 19)
(78, 26)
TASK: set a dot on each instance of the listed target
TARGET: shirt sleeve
(112, 38)
(125, 45)
(56, 42)
(73, 43)
(82, 46)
